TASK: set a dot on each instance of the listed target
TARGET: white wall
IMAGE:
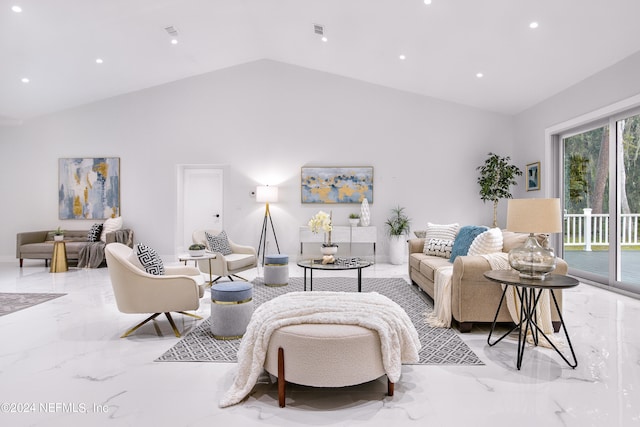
(264, 121)
(614, 84)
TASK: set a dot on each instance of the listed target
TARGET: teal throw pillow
(465, 237)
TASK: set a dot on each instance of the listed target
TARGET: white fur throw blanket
(398, 337)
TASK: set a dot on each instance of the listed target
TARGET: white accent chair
(137, 291)
(242, 258)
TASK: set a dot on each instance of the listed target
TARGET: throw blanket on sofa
(91, 255)
(398, 337)
(441, 315)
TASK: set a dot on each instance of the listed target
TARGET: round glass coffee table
(316, 264)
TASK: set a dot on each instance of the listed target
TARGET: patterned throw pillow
(94, 232)
(465, 237)
(219, 243)
(488, 242)
(442, 231)
(150, 260)
(438, 247)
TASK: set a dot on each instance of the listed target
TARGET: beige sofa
(474, 298)
(39, 244)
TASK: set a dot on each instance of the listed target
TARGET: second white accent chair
(241, 258)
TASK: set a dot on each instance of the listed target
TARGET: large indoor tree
(497, 175)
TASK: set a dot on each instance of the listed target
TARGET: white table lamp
(531, 216)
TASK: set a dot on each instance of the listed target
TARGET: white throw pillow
(438, 247)
(442, 231)
(111, 224)
(488, 242)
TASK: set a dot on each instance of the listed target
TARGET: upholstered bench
(231, 309)
(276, 270)
(324, 355)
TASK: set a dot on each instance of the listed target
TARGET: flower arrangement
(322, 222)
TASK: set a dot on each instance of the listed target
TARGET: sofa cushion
(438, 247)
(442, 231)
(110, 225)
(429, 264)
(219, 243)
(465, 237)
(149, 259)
(488, 242)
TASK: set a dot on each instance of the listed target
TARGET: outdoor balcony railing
(589, 229)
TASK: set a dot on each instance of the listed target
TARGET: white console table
(341, 234)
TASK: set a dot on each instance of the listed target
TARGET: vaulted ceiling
(55, 44)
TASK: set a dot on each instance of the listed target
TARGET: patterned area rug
(12, 302)
(439, 345)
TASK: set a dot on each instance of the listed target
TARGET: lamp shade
(266, 194)
(534, 216)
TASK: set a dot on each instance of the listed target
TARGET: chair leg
(130, 331)
(173, 325)
(190, 314)
(241, 278)
(216, 279)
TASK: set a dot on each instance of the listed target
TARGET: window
(601, 195)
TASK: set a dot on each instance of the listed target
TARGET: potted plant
(354, 218)
(496, 176)
(196, 249)
(398, 226)
(322, 222)
(58, 234)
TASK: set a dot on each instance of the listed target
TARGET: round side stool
(276, 270)
(231, 309)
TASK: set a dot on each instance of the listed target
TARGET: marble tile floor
(62, 363)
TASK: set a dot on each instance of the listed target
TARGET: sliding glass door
(601, 196)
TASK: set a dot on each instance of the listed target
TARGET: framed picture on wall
(89, 188)
(336, 184)
(533, 176)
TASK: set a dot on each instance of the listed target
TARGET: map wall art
(89, 188)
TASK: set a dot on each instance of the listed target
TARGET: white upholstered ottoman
(324, 355)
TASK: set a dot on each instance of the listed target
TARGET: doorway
(200, 201)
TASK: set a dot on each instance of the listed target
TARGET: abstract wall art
(337, 184)
(89, 188)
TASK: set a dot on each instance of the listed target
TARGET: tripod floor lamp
(266, 194)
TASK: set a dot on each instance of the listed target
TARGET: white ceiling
(55, 43)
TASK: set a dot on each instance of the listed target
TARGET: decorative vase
(365, 215)
(397, 246)
(58, 237)
(329, 250)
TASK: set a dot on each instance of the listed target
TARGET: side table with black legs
(529, 292)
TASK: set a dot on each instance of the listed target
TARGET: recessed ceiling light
(24, 80)
(99, 61)
(402, 57)
(16, 9)
(479, 75)
(427, 1)
(533, 25)
(324, 39)
(174, 41)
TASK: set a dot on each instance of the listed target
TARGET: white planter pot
(329, 250)
(354, 221)
(58, 237)
(397, 246)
